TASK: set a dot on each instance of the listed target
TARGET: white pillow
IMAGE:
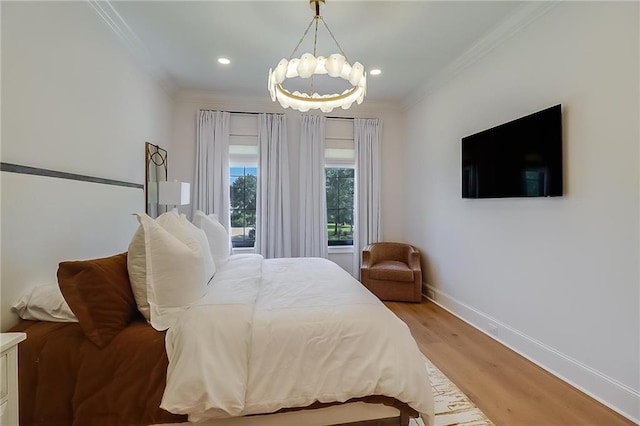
(44, 303)
(137, 268)
(217, 236)
(177, 267)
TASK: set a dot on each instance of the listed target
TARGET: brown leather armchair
(392, 271)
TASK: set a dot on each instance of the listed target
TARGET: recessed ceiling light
(375, 71)
(224, 61)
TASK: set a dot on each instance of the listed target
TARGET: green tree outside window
(242, 194)
(340, 190)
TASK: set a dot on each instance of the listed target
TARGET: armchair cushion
(391, 270)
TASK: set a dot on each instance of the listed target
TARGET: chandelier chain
(315, 36)
(315, 40)
(302, 38)
(334, 38)
(315, 44)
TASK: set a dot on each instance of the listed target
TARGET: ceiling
(410, 41)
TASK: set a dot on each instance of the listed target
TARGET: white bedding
(276, 333)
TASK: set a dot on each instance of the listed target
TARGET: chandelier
(308, 65)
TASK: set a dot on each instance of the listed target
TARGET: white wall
(558, 276)
(182, 150)
(73, 100)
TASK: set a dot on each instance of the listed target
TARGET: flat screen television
(521, 158)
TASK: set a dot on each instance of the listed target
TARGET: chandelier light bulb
(334, 64)
(307, 65)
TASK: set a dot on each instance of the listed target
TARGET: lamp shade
(174, 193)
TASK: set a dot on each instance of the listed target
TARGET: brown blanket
(67, 380)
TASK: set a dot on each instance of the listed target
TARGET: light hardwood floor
(509, 389)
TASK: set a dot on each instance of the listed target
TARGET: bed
(272, 341)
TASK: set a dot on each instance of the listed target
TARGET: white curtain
(313, 199)
(366, 138)
(273, 217)
(211, 180)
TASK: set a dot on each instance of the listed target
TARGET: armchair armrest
(414, 259)
(366, 257)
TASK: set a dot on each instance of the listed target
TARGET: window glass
(242, 197)
(340, 183)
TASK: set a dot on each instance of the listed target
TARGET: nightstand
(9, 377)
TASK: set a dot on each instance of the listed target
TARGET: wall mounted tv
(521, 158)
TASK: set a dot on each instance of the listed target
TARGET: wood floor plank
(507, 387)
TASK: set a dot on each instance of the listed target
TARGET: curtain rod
(258, 113)
(233, 112)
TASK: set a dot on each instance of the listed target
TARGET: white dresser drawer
(3, 412)
(4, 385)
(9, 377)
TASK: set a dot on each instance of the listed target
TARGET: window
(242, 197)
(339, 183)
(243, 176)
(339, 156)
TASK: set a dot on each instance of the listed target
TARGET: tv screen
(521, 158)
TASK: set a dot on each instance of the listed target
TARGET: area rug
(452, 407)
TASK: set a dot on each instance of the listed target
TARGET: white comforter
(276, 333)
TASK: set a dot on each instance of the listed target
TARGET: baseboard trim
(606, 390)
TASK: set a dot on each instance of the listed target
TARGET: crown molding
(509, 27)
(133, 44)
